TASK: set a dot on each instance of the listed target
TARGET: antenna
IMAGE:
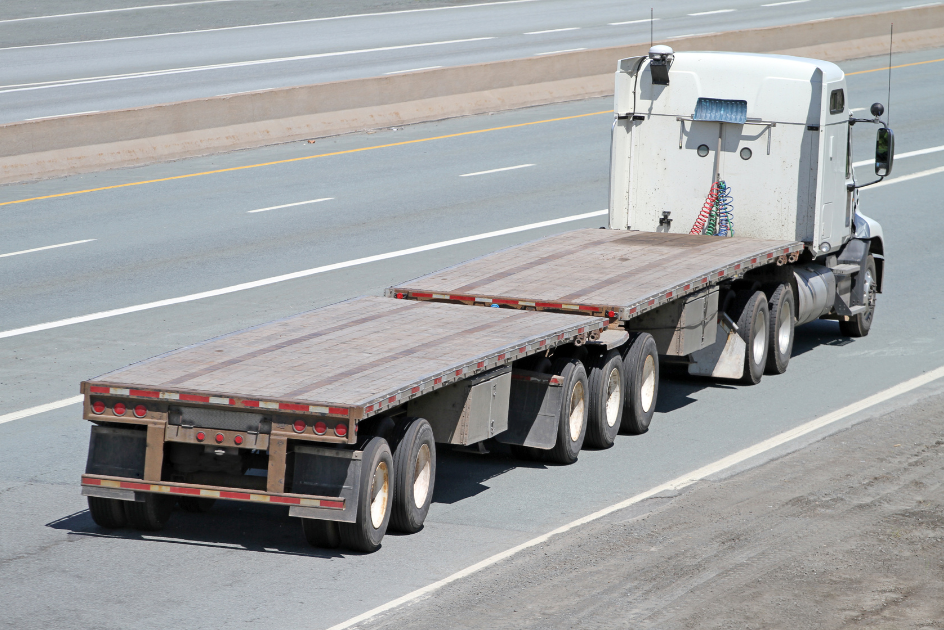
(650, 28)
(888, 108)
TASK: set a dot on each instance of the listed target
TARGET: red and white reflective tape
(212, 494)
(217, 400)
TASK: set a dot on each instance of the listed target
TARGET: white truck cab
(761, 141)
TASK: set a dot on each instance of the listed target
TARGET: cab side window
(837, 102)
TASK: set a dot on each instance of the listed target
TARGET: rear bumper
(326, 508)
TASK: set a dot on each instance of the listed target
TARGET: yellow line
(904, 65)
(299, 159)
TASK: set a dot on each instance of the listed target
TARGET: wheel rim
(576, 411)
(760, 339)
(786, 327)
(648, 390)
(613, 397)
(379, 493)
(421, 476)
(870, 295)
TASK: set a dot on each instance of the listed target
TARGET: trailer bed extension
(608, 273)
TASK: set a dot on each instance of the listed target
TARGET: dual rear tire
(148, 515)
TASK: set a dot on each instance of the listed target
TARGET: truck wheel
(107, 513)
(195, 505)
(753, 329)
(373, 499)
(641, 370)
(414, 473)
(321, 534)
(859, 325)
(151, 514)
(572, 426)
(606, 384)
(780, 337)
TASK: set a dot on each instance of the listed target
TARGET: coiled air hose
(717, 213)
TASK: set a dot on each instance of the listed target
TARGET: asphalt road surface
(60, 58)
(244, 565)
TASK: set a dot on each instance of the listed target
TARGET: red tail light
(119, 409)
(201, 436)
(320, 428)
(140, 411)
(341, 430)
(98, 406)
(219, 438)
(238, 440)
(299, 426)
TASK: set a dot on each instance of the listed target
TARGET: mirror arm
(855, 186)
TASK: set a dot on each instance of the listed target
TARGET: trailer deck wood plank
(597, 270)
(354, 354)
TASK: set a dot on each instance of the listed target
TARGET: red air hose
(705, 214)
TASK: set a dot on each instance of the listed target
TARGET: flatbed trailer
(544, 347)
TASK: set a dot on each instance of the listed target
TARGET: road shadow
(228, 525)
(461, 474)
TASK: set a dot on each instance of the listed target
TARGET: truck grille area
(219, 419)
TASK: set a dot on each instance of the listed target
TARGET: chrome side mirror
(884, 151)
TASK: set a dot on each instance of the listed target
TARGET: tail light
(98, 406)
(140, 411)
(320, 428)
(119, 409)
(341, 430)
(238, 440)
(299, 426)
(219, 438)
(201, 436)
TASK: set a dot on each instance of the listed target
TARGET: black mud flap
(534, 410)
(327, 472)
(117, 452)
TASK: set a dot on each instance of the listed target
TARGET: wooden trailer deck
(351, 360)
(613, 273)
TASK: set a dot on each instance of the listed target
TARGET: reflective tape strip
(235, 495)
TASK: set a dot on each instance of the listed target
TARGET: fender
(871, 230)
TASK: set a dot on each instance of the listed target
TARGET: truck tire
(641, 371)
(373, 499)
(321, 534)
(607, 384)
(859, 325)
(572, 426)
(107, 513)
(151, 514)
(753, 329)
(414, 474)
(782, 325)
(195, 505)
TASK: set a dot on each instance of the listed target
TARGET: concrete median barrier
(83, 143)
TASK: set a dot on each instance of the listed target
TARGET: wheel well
(877, 247)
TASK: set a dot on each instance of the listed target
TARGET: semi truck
(734, 217)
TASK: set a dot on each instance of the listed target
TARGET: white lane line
(39, 249)
(233, 28)
(901, 156)
(711, 12)
(150, 6)
(693, 35)
(554, 30)
(91, 111)
(291, 276)
(634, 22)
(676, 484)
(554, 52)
(497, 170)
(905, 178)
(290, 205)
(413, 70)
(21, 87)
(32, 411)
(780, 4)
(247, 92)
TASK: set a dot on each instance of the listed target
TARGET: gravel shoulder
(846, 533)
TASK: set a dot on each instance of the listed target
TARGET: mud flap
(725, 357)
(327, 472)
(534, 410)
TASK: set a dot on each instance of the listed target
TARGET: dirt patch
(847, 533)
